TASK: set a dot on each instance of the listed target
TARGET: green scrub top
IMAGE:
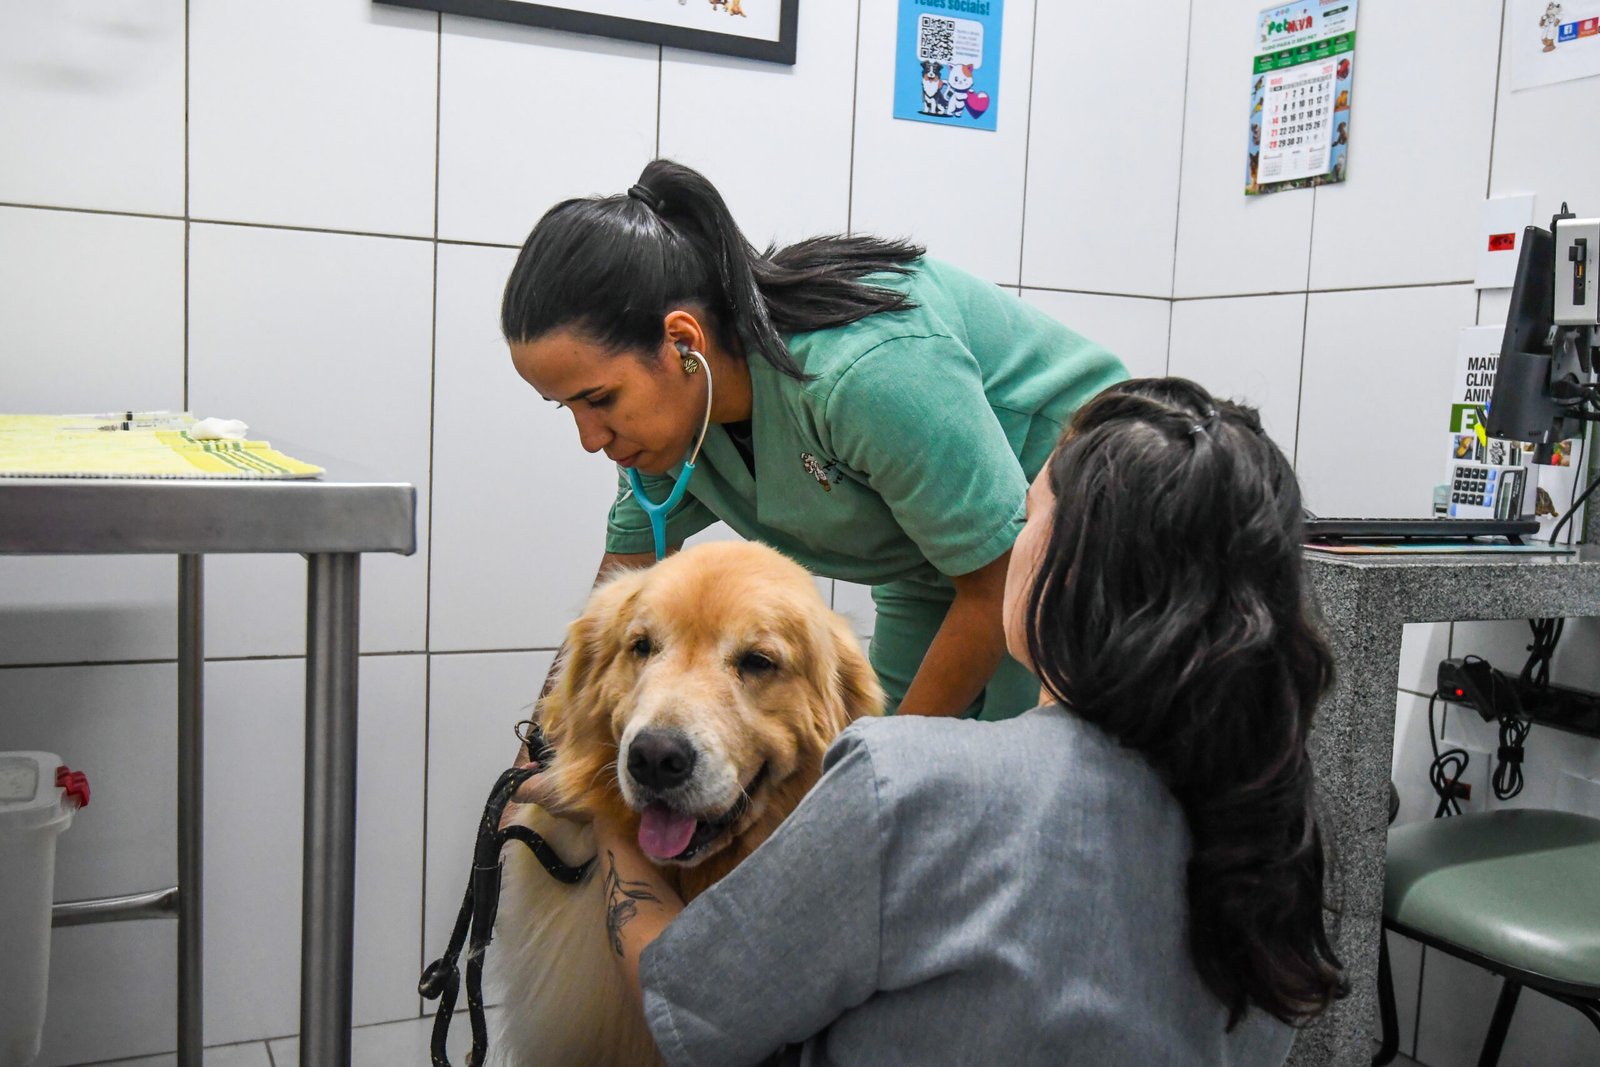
(905, 458)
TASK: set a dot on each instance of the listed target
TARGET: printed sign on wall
(1553, 41)
(947, 62)
(1300, 95)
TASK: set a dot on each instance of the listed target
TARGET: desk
(1365, 600)
(331, 521)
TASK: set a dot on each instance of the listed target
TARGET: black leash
(441, 980)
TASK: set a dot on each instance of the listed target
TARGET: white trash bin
(38, 797)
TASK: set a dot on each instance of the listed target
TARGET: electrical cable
(1446, 785)
(1555, 534)
(1546, 635)
(1507, 779)
(1572, 508)
(1505, 705)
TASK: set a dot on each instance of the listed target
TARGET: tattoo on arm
(622, 901)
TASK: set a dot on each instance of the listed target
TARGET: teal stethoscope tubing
(657, 513)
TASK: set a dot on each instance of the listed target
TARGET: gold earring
(691, 365)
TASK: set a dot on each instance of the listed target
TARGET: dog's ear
(858, 688)
(593, 640)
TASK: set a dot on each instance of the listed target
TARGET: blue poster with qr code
(947, 62)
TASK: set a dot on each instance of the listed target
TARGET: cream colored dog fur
(729, 644)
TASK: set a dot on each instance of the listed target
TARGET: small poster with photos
(1301, 78)
(1495, 478)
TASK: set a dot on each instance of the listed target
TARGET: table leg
(191, 806)
(328, 900)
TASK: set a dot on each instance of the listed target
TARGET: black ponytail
(1169, 609)
(613, 267)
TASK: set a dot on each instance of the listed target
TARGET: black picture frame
(559, 18)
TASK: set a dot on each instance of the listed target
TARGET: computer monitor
(1533, 356)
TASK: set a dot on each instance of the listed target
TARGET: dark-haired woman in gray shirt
(1131, 874)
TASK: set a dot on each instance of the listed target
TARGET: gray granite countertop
(1446, 588)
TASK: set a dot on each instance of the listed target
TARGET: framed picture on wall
(751, 29)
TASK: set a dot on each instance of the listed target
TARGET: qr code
(936, 39)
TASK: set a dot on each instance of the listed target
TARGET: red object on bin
(76, 783)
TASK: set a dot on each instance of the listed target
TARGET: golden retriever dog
(694, 702)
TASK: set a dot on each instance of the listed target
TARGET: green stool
(1514, 892)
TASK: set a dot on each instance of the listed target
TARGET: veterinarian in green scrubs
(875, 415)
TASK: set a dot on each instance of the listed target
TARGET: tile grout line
(1305, 330)
(185, 217)
(433, 402)
(1494, 115)
(465, 243)
(1329, 289)
(1494, 130)
(186, 222)
(855, 93)
(1300, 389)
(1027, 143)
(1177, 207)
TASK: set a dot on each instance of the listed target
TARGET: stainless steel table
(331, 521)
(1365, 601)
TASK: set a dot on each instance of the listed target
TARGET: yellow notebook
(133, 445)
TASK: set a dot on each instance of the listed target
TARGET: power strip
(1561, 707)
(1494, 694)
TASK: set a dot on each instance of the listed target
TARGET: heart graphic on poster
(977, 103)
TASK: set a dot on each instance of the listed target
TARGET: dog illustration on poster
(1550, 26)
(932, 83)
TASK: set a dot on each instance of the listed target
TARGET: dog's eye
(641, 647)
(756, 663)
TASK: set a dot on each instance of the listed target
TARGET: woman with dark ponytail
(874, 414)
(1131, 874)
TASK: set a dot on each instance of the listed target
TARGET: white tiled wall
(301, 213)
(321, 340)
(510, 485)
(1246, 347)
(1229, 243)
(1136, 329)
(529, 117)
(101, 125)
(776, 142)
(957, 191)
(314, 113)
(1102, 204)
(1373, 359)
(1373, 229)
(91, 312)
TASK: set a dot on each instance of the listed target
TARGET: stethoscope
(657, 513)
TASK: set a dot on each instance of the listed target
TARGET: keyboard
(1513, 530)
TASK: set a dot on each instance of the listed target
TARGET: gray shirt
(955, 892)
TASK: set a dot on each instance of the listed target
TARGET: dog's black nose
(660, 759)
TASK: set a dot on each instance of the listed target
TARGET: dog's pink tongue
(663, 833)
